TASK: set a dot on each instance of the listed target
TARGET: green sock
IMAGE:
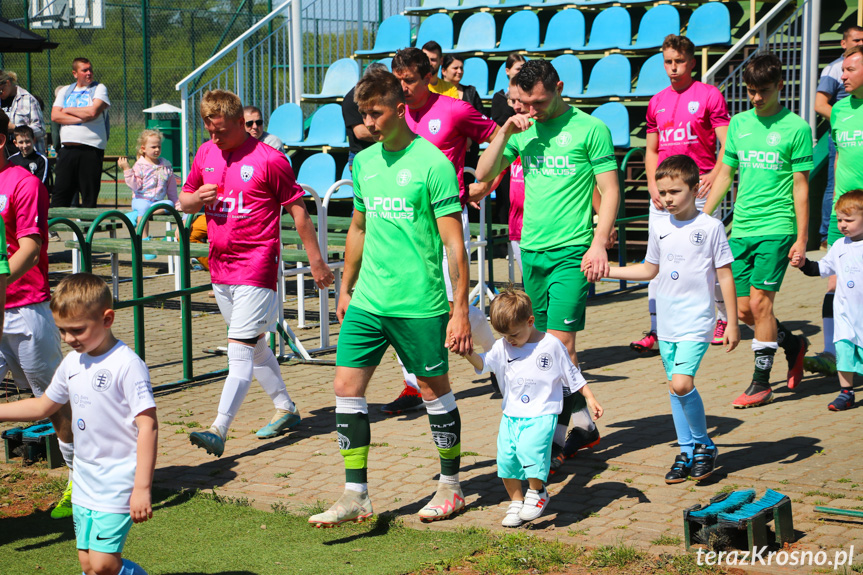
(355, 435)
(763, 365)
(787, 340)
(578, 403)
(446, 432)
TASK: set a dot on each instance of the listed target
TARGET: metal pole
(184, 131)
(295, 58)
(360, 31)
(241, 73)
(125, 84)
(27, 58)
(145, 48)
(814, 37)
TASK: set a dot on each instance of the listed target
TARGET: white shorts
(465, 228)
(249, 311)
(30, 347)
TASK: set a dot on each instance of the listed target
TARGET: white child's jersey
(532, 377)
(688, 253)
(106, 393)
(845, 260)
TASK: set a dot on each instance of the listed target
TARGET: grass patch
(824, 494)
(666, 539)
(513, 553)
(619, 555)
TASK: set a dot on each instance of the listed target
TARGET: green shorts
(849, 357)
(833, 233)
(524, 446)
(682, 357)
(99, 530)
(557, 287)
(364, 338)
(759, 262)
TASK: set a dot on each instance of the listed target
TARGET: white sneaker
(511, 519)
(534, 504)
(352, 506)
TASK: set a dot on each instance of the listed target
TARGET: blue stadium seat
(476, 75)
(655, 25)
(428, 5)
(611, 28)
(611, 76)
(342, 75)
(615, 116)
(388, 62)
(286, 123)
(565, 31)
(652, 78)
(393, 34)
(709, 25)
(437, 27)
(477, 34)
(319, 172)
(569, 69)
(345, 191)
(501, 82)
(520, 32)
(327, 128)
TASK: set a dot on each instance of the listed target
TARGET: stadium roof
(14, 38)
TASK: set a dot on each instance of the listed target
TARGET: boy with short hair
(27, 157)
(116, 430)
(534, 373)
(847, 303)
(688, 252)
(772, 148)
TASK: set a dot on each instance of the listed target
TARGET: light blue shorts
(849, 357)
(140, 206)
(99, 530)
(682, 357)
(524, 446)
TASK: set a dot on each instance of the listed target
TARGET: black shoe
(579, 438)
(703, 461)
(557, 458)
(679, 470)
(494, 385)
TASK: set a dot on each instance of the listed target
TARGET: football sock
(240, 368)
(355, 435)
(651, 304)
(787, 340)
(693, 409)
(269, 375)
(764, 352)
(445, 424)
(559, 435)
(410, 379)
(565, 415)
(480, 330)
(721, 312)
(358, 487)
(681, 426)
(449, 479)
(827, 323)
(68, 452)
(582, 419)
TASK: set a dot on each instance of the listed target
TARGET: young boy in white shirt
(114, 422)
(848, 301)
(687, 251)
(534, 372)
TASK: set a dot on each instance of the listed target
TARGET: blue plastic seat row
(318, 171)
(327, 127)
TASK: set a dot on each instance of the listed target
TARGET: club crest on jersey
(3, 202)
(773, 138)
(697, 237)
(544, 362)
(693, 107)
(33, 167)
(564, 139)
(102, 380)
(246, 172)
(403, 178)
(434, 126)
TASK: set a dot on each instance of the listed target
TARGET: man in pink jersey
(448, 123)
(243, 183)
(686, 118)
(30, 347)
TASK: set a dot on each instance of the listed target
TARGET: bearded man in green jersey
(565, 154)
(771, 147)
(406, 200)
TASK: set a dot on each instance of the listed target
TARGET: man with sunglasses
(255, 128)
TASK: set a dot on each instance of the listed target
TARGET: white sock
(756, 345)
(269, 375)
(68, 451)
(240, 368)
(480, 330)
(651, 303)
(449, 479)
(829, 345)
(358, 487)
(582, 419)
(559, 434)
(410, 379)
(721, 312)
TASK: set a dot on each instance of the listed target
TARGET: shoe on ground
(63, 509)
(511, 519)
(823, 363)
(719, 332)
(409, 400)
(280, 423)
(579, 438)
(843, 402)
(211, 441)
(795, 364)
(679, 469)
(535, 503)
(703, 461)
(756, 394)
(557, 459)
(648, 343)
(351, 507)
(448, 500)
(148, 257)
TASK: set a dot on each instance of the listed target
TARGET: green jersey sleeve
(600, 149)
(730, 157)
(801, 149)
(4, 257)
(511, 151)
(359, 203)
(443, 188)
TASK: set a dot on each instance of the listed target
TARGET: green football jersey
(402, 194)
(767, 152)
(561, 158)
(846, 127)
(4, 257)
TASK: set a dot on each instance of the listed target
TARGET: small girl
(151, 178)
